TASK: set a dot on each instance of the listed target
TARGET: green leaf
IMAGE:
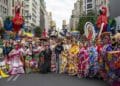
(90, 17)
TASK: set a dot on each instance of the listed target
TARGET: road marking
(16, 78)
(10, 78)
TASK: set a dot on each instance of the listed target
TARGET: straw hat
(116, 36)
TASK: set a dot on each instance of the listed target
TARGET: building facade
(31, 13)
(88, 6)
(12, 4)
(4, 5)
(76, 13)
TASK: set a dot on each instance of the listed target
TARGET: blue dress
(93, 58)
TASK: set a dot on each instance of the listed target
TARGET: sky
(61, 10)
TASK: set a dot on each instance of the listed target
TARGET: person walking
(58, 50)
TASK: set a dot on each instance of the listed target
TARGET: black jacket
(59, 49)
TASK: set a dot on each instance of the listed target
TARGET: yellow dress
(72, 60)
(2, 67)
(3, 75)
(63, 62)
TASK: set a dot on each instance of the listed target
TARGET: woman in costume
(93, 59)
(106, 48)
(36, 53)
(28, 58)
(83, 63)
(99, 47)
(64, 56)
(53, 57)
(15, 63)
(72, 59)
(3, 71)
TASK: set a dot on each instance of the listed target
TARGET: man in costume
(58, 50)
(46, 66)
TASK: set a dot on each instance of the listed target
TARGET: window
(27, 6)
(89, 1)
(89, 11)
(13, 3)
(89, 6)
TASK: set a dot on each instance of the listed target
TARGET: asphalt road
(49, 80)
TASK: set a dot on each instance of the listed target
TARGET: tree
(90, 17)
(38, 31)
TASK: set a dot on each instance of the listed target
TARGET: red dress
(83, 64)
(17, 20)
(103, 19)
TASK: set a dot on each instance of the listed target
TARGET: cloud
(61, 9)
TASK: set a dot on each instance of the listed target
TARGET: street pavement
(49, 80)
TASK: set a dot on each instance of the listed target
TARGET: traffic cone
(3, 75)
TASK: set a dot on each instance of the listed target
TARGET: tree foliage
(90, 17)
(38, 31)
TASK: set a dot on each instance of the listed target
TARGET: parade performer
(63, 65)
(47, 56)
(53, 57)
(99, 50)
(46, 64)
(72, 59)
(18, 19)
(15, 62)
(36, 57)
(2, 74)
(113, 67)
(106, 47)
(28, 59)
(102, 21)
(93, 58)
(2, 70)
(58, 50)
(83, 64)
